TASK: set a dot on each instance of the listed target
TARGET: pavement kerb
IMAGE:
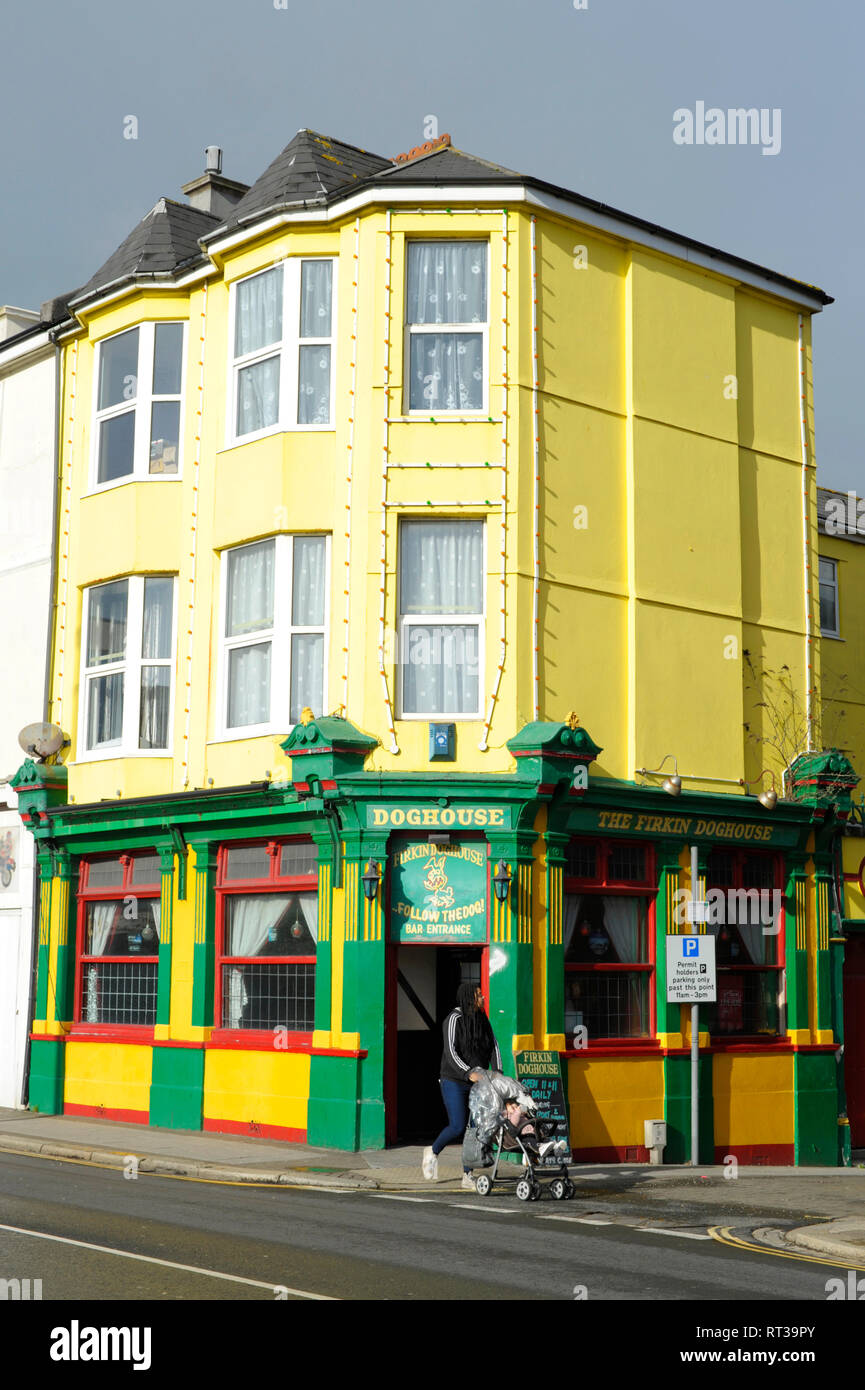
(823, 1240)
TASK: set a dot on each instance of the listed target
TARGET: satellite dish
(43, 739)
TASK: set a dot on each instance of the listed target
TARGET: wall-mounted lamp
(371, 878)
(767, 798)
(502, 881)
(671, 784)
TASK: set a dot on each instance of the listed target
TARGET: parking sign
(691, 977)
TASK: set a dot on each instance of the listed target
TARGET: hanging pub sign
(438, 893)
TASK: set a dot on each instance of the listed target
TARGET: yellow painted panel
(134, 528)
(108, 1075)
(609, 1098)
(752, 1099)
(767, 368)
(265, 1088)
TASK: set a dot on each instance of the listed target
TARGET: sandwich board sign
(540, 1073)
(691, 976)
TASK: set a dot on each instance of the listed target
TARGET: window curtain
(258, 396)
(316, 281)
(309, 910)
(155, 699)
(572, 904)
(754, 939)
(307, 674)
(249, 686)
(622, 922)
(250, 589)
(100, 917)
(106, 630)
(441, 567)
(307, 599)
(447, 282)
(441, 669)
(258, 312)
(313, 385)
(446, 371)
(104, 710)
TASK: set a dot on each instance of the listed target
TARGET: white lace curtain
(441, 567)
(252, 919)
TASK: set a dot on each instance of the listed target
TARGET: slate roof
(311, 168)
(451, 165)
(824, 496)
(164, 240)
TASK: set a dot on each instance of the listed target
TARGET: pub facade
(375, 503)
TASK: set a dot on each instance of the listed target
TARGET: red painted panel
(757, 1155)
(854, 1036)
(615, 1153)
(105, 1112)
(256, 1131)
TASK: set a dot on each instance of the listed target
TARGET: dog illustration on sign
(436, 880)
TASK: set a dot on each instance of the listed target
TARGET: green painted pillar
(44, 860)
(796, 943)
(177, 1087)
(837, 944)
(204, 942)
(556, 847)
(511, 953)
(668, 1016)
(823, 889)
(64, 969)
(166, 919)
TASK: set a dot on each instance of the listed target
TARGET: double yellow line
(725, 1235)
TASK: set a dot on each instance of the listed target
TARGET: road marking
(725, 1236)
(470, 1206)
(591, 1220)
(394, 1197)
(660, 1231)
(170, 1264)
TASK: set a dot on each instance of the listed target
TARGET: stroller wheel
(482, 1185)
(524, 1190)
(558, 1189)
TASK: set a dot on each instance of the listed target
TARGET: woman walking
(469, 1045)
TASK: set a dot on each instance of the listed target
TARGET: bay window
(139, 387)
(126, 666)
(274, 631)
(282, 362)
(267, 928)
(441, 618)
(446, 325)
(608, 891)
(118, 940)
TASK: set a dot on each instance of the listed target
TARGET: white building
(27, 455)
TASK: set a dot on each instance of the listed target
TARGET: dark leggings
(455, 1095)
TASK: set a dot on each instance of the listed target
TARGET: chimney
(211, 192)
(14, 321)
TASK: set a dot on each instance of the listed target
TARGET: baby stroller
(505, 1123)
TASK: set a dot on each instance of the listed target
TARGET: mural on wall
(8, 858)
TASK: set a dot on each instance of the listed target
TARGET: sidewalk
(832, 1197)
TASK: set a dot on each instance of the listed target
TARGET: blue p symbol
(690, 946)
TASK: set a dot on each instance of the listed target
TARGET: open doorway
(424, 984)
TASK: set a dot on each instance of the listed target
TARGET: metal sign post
(695, 1023)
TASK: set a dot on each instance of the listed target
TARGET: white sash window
(446, 326)
(441, 589)
(138, 407)
(127, 663)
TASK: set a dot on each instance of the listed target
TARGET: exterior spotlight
(769, 799)
(672, 784)
(370, 878)
(502, 881)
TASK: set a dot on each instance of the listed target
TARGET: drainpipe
(46, 699)
(803, 439)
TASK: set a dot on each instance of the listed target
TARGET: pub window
(267, 928)
(118, 940)
(742, 888)
(608, 890)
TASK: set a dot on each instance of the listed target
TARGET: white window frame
(130, 667)
(408, 621)
(287, 349)
(410, 329)
(142, 403)
(832, 583)
(279, 636)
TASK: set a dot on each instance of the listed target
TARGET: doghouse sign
(439, 893)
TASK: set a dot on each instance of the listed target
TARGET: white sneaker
(468, 1183)
(546, 1147)
(430, 1164)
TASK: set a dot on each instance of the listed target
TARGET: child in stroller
(504, 1120)
(520, 1132)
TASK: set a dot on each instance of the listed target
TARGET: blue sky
(584, 98)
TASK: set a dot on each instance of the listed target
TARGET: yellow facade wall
(752, 1099)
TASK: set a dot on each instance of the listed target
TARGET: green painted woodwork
(668, 1016)
(547, 752)
(204, 944)
(333, 1116)
(837, 945)
(324, 748)
(163, 969)
(47, 1074)
(796, 959)
(177, 1087)
(816, 1108)
(677, 1109)
(40, 787)
(823, 779)
(438, 893)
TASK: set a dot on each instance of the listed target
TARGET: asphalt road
(210, 1241)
